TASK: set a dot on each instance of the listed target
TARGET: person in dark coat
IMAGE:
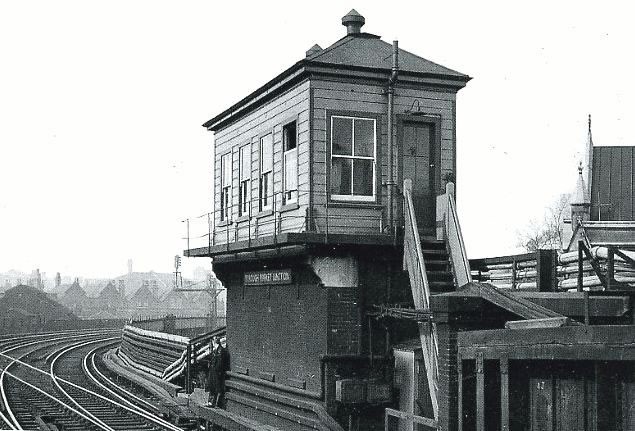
(218, 365)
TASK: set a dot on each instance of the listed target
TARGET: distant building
(75, 299)
(111, 300)
(605, 203)
(144, 300)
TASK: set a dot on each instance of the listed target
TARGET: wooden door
(541, 403)
(570, 404)
(418, 164)
(628, 405)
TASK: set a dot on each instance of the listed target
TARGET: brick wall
(448, 374)
(279, 331)
(344, 326)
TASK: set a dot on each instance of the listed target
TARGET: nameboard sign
(260, 278)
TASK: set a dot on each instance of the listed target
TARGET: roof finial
(580, 168)
(589, 123)
(353, 22)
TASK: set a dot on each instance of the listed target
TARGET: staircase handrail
(415, 264)
(452, 232)
(412, 234)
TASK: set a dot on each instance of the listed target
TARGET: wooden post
(504, 370)
(580, 265)
(546, 270)
(209, 234)
(480, 392)
(459, 367)
(188, 366)
(587, 318)
(610, 267)
(514, 273)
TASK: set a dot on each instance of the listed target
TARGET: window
(225, 186)
(244, 179)
(290, 148)
(266, 173)
(353, 147)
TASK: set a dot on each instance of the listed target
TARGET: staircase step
(441, 286)
(437, 244)
(439, 254)
(440, 276)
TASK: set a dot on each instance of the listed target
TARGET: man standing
(218, 365)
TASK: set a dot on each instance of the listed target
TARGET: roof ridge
(341, 42)
(425, 59)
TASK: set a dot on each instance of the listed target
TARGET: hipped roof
(360, 52)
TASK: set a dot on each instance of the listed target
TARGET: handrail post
(188, 380)
(610, 267)
(209, 234)
(188, 236)
(580, 265)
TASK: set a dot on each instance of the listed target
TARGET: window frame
(270, 193)
(294, 195)
(244, 181)
(352, 198)
(226, 189)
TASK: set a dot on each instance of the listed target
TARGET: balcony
(301, 223)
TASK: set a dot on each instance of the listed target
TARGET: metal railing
(229, 225)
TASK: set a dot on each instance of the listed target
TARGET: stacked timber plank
(150, 351)
(521, 271)
(507, 272)
(567, 269)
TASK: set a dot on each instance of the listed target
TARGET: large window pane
(290, 172)
(363, 177)
(226, 166)
(245, 162)
(341, 176)
(266, 153)
(364, 138)
(342, 136)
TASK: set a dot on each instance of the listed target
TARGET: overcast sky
(102, 152)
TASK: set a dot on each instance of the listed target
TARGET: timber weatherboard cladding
(311, 103)
(365, 99)
(269, 118)
(612, 184)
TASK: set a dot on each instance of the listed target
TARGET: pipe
(391, 94)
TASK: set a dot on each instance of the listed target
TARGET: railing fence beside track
(34, 324)
(188, 326)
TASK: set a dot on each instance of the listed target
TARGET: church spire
(589, 159)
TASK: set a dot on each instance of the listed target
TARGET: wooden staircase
(438, 265)
(434, 265)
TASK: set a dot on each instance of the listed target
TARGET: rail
(446, 214)
(415, 264)
(239, 222)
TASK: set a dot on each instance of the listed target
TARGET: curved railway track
(58, 381)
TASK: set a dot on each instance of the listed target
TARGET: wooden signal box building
(307, 231)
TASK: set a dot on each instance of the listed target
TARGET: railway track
(55, 382)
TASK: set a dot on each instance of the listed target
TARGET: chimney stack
(353, 22)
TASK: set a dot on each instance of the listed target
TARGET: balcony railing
(209, 229)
